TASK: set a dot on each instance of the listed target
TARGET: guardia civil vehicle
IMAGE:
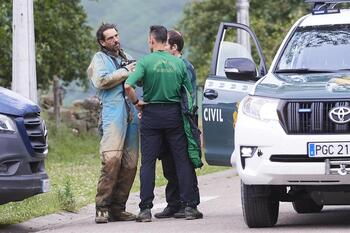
(288, 127)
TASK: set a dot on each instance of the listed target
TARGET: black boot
(168, 212)
(192, 213)
(144, 216)
(180, 213)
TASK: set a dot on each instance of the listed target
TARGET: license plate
(45, 185)
(328, 149)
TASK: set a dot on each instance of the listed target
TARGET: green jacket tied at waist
(191, 129)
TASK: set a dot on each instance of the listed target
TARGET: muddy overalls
(120, 140)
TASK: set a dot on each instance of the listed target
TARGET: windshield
(318, 48)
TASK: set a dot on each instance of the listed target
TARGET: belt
(170, 104)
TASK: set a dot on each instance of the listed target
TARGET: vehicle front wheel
(260, 208)
(305, 206)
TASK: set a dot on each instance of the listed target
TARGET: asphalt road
(220, 195)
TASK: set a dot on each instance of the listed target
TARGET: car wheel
(260, 208)
(305, 206)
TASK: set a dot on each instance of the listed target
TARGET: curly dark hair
(101, 29)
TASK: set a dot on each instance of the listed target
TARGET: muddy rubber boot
(101, 216)
(121, 216)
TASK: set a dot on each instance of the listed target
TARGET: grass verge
(73, 166)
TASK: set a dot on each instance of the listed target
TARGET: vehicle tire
(260, 208)
(306, 206)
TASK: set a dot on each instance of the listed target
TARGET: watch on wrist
(136, 102)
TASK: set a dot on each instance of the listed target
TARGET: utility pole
(243, 18)
(23, 50)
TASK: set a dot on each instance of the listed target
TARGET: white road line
(203, 199)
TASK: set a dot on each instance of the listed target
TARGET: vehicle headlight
(6, 124)
(260, 108)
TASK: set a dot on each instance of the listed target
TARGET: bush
(66, 197)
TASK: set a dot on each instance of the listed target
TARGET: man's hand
(139, 106)
(131, 67)
(130, 92)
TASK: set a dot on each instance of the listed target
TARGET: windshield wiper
(303, 71)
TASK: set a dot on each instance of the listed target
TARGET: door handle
(210, 94)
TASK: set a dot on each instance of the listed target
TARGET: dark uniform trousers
(172, 192)
(162, 124)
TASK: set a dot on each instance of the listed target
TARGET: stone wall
(82, 116)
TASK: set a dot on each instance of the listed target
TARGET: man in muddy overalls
(119, 125)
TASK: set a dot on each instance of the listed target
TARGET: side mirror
(240, 69)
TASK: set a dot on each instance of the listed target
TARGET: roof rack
(326, 6)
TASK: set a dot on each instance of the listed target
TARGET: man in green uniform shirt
(175, 208)
(162, 76)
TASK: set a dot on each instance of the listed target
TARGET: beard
(114, 48)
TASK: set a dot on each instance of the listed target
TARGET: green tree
(63, 41)
(270, 20)
(5, 43)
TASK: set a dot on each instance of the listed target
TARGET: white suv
(292, 136)
(289, 127)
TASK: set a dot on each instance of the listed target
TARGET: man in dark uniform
(162, 76)
(175, 208)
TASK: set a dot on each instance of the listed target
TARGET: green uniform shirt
(162, 76)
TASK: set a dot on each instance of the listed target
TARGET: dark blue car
(23, 148)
